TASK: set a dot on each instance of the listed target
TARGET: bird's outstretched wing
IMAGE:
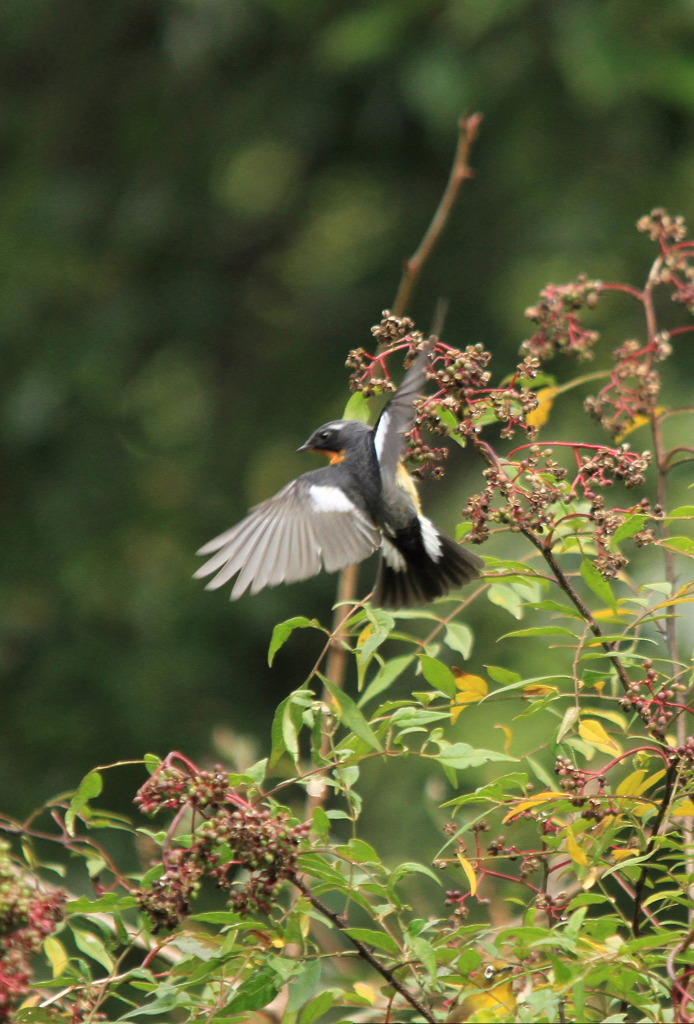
(397, 416)
(305, 527)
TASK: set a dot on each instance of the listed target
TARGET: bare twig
(468, 128)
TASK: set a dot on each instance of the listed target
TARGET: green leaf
(283, 630)
(286, 725)
(350, 715)
(90, 786)
(109, 903)
(540, 631)
(631, 525)
(152, 762)
(555, 606)
(318, 1007)
(463, 755)
(439, 675)
(507, 598)
(224, 917)
(166, 1001)
(504, 676)
(377, 630)
(571, 716)
(370, 937)
(598, 584)
(387, 674)
(683, 512)
(425, 953)
(459, 638)
(540, 772)
(256, 992)
(685, 545)
(304, 984)
(92, 946)
(359, 851)
(448, 419)
(357, 408)
(411, 867)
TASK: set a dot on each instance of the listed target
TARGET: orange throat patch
(335, 458)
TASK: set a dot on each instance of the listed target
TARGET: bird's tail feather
(416, 577)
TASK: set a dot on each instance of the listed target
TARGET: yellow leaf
(57, 955)
(533, 801)
(574, 851)
(592, 732)
(610, 614)
(616, 717)
(508, 733)
(638, 783)
(622, 852)
(643, 808)
(472, 689)
(365, 634)
(469, 871)
(545, 399)
(365, 991)
(638, 421)
(650, 781)
(683, 809)
(278, 943)
(539, 690)
(590, 879)
(30, 1001)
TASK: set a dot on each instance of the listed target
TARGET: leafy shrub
(569, 867)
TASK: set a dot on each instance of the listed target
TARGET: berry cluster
(675, 268)
(27, 917)
(556, 315)
(232, 836)
(573, 781)
(653, 702)
(464, 398)
(534, 488)
(634, 385)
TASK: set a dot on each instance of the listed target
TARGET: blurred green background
(205, 205)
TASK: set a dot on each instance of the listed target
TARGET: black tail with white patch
(419, 564)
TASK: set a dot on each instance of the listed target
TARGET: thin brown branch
(468, 128)
(363, 950)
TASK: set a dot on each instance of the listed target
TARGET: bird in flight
(329, 518)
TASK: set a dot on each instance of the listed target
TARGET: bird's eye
(489, 972)
(324, 435)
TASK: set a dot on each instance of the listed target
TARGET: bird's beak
(303, 448)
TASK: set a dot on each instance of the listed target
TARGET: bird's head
(336, 439)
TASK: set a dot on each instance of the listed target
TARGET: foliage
(202, 198)
(566, 856)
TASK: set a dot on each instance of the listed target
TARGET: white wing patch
(393, 559)
(381, 433)
(430, 537)
(324, 498)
